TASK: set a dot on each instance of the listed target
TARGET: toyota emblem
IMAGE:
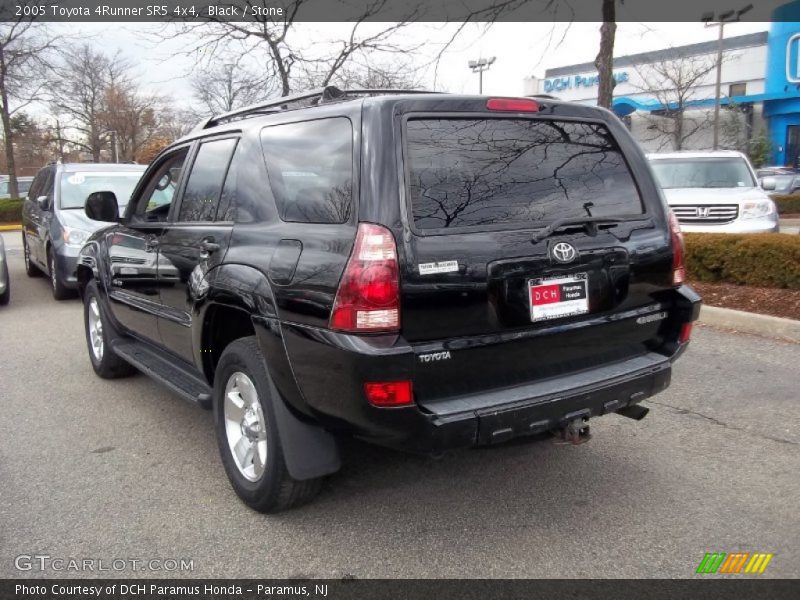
(563, 252)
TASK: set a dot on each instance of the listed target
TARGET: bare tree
(399, 75)
(79, 93)
(132, 116)
(281, 39)
(25, 52)
(176, 122)
(673, 82)
(229, 84)
(735, 126)
(605, 56)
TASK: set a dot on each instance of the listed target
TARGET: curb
(11, 227)
(746, 322)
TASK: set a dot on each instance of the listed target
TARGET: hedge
(764, 259)
(11, 210)
(787, 203)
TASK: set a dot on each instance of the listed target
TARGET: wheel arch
(240, 302)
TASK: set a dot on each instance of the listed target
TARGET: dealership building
(760, 91)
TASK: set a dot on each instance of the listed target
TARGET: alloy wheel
(245, 427)
(53, 275)
(95, 326)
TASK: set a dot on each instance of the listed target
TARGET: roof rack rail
(312, 98)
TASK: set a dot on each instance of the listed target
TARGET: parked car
(54, 223)
(23, 185)
(762, 172)
(715, 192)
(422, 271)
(785, 184)
(5, 280)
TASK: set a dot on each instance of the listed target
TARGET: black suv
(422, 271)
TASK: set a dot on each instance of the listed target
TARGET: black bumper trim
(591, 394)
(551, 389)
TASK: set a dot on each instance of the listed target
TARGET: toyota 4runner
(422, 271)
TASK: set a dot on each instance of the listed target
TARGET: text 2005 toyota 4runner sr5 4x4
(422, 271)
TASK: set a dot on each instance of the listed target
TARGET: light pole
(114, 149)
(479, 66)
(729, 16)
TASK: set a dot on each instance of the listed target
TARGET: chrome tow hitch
(574, 432)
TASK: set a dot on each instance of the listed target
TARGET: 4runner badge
(433, 356)
(651, 318)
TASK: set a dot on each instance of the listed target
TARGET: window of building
(737, 89)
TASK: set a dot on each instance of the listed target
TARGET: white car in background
(715, 192)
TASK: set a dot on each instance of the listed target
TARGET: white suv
(715, 192)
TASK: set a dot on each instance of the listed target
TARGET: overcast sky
(521, 49)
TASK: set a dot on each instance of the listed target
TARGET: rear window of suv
(511, 173)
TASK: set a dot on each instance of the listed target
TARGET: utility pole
(730, 16)
(479, 66)
(114, 151)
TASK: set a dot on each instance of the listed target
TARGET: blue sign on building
(558, 84)
(782, 84)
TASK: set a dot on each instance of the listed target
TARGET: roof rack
(311, 98)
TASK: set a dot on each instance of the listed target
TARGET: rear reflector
(389, 393)
(678, 250)
(512, 104)
(686, 333)
(368, 298)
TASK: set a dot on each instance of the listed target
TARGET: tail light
(368, 298)
(389, 393)
(678, 250)
(686, 333)
(512, 104)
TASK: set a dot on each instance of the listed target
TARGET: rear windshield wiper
(589, 222)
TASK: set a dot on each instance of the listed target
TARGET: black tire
(31, 270)
(108, 365)
(5, 297)
(275, 490)
(60, 291)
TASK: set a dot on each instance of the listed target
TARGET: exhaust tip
(634, 411)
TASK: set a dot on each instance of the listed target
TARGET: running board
(154, 364)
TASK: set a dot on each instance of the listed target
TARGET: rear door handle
(208, 246)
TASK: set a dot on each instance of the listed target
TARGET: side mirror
(102, 206)
(768, 183)
(43, 202)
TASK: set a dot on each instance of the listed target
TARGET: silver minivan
(715, 192)
(54, 224)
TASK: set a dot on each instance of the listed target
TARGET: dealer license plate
(557, 297)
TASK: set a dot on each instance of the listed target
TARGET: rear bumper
(330, 370)
(546, 405)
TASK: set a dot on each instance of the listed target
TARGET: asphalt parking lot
(124, 469)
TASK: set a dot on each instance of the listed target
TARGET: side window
(204, 186)
(310, 168)
(37, 185)
(154, 203)
(226, 211)
(49, 183)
